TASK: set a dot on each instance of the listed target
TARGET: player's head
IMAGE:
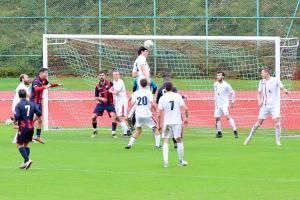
(43, 73)
(102, 75)
(144, 82)
(116, 75)
(220, 76)
(169, 86)
(143, 51)
(265, 73)
(24, 79)
(22, 94)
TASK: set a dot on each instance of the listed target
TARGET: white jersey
(222, 93)
(137, 66)
(16, 96)
(270, 91)
(143, 99)
(120, 86)
(170, 103)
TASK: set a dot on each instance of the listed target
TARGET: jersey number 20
(142, 101)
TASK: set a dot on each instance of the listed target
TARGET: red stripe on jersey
(155, 121)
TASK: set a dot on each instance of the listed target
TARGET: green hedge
(15, 72)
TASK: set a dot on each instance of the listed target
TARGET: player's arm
(52, 85)
(134, 72)
(282, 88)
(160, 112)
(97, 96)
(232, 95)
(133, 100)
(37, 88)
(115, 89)
(17, 113)
(145, 71)
(135, 85)
(186, 111)
(153, 86)
(259, 94)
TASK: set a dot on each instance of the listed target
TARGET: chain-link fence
(22, 22)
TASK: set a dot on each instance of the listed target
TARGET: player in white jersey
(170, 105)
(121, 102)
(268, 98)
(143, 99)
(140, 67)
(222, 92)
(24, 85)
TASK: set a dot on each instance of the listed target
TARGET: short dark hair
(143, 82)
(43, 70)
(142, 49)
(220, 72)
(267, 69)
(22, 93)
(21, 77)
(102, 72)
(169, 86)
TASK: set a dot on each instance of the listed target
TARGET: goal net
(192, 62)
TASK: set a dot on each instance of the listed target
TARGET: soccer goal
(192, 62)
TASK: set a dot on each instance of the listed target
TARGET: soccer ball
(148, 44)
(8, 122)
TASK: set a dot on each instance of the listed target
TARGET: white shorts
(264, 112)
(221, 110)
(172, 131)
(141, 121)
(121, 109)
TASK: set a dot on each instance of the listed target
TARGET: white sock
(180, 150)
(94, 129)
(157, 140)
(113, 132)
(253, 129)
(124, 127)
(218, 125)
(131, 111)
(277, 130)
(232, 124)
(131, 141)
(166, 152)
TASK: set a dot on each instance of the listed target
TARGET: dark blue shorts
(39, 106)
(25, 135)
(100, 108)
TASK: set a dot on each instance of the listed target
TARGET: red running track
(74, 109)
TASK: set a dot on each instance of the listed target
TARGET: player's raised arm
(259, 94)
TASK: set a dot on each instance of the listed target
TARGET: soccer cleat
(247, 141)
(175, 145)
(94, 134)
(236, 135)
(38, 139)
(158, 147)
(182, 163)
(278, 142)
(166, 164)
(129, 132)
(219, 134)
(128, 147)
(114, 136)
(28, 164)
(22, 166)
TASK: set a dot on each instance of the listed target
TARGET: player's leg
(166, 152)
(39, 122)
(113, 124)
(151, 123)
(253, 129)
(275, 112)
(135, 136)
(94, 125)
(217, 115)
(232, 124)
(177, 131)
(27, 149)
(121, 111)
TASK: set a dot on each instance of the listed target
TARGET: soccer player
(105, 102)
(143, 99)
(24, 113)
(268, 98)
(24, 84)
(121, 103)
(39, 84)
(170, 105)
(223, 91)
(140, 67)
(166, 78)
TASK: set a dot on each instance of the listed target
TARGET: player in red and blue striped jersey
(24, 113)
(105, 102)
(39, 84)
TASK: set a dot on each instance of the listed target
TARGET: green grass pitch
(71, 165)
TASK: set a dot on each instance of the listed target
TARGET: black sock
(38, 132)
(94, 125)
(175, 142)
(27, 150)
(113, 126)
(24, 153)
